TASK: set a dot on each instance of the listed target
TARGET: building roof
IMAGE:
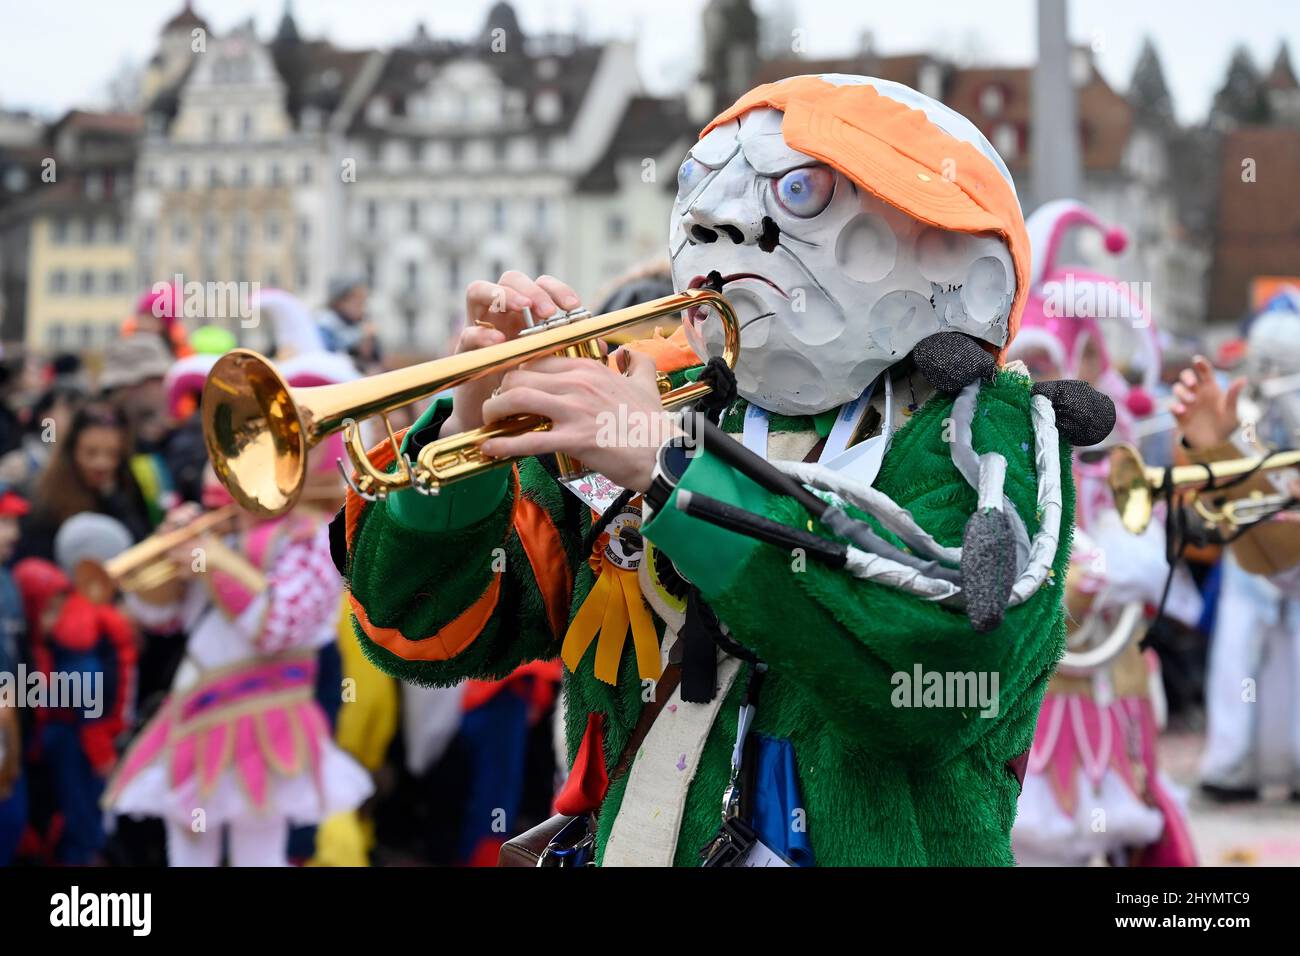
(1257, 228)
(649, 126)
(185, 20)
(1105, 117)
(410, 69)
(1282, 77)
(904, 68)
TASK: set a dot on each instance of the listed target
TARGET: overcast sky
(55, 54)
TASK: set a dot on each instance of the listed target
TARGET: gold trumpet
(1136, 484)
(258, 430)
(147, 565)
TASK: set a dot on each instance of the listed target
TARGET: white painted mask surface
(831, 284)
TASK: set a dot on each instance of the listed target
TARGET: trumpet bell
(254, 431)
(1131, 488)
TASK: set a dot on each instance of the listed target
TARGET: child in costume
(86, 653)
(1253, 733)
(873, 246)
(241, 742)
(13, 650)
(1093, 789)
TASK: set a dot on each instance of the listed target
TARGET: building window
(183, 177)
(541, 212)
(54, 336)
(214, 127)
(277, 176)
(370, 271)
(304, 278)
(87, 284)
(241, 233)
(180, 232)
(413, 215)
(244, 177)
(616, 227)
(58, 282)
(372, 216)
(1006, 141)
(246, 126)
(59, 231)
(119, 229)
(116, 281)
(272, 228)
(412, 277)
(453, 273)
(88, 231)
(992, 99)
(214, 177)
(454, 211)
(94, 186)
(304, 230)
(304, 174)
(499, 214)
(87, 334)
(211, 231)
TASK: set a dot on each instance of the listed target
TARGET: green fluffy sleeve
(447, 588)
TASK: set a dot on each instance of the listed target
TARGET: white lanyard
(862, 460)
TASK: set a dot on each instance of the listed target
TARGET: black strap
(700, 634)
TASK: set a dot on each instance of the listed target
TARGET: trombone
(1135, 484)
(259, 430)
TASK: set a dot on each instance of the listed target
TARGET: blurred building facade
(502, 152)
(238, 179)
(66, 259)
(289, 161)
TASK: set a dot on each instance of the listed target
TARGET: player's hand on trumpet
(588, 403)
(494, 313)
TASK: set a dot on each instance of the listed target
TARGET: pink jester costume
(241, 743)
(1093, 790)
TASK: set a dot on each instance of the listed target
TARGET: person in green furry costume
(857, 746)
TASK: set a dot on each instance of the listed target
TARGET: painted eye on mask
(691, 173)
(805, 192)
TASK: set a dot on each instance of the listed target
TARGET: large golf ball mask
(831, 285)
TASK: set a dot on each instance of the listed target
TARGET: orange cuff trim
(545, 551)
(443, 646)
(456, 635)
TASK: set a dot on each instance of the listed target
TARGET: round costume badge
(626, 547)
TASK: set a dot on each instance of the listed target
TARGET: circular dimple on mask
(791, 381)
(820, 321)
(900, 320)
(986, 292)
(749, 304)
(943, 256)
(866, 248)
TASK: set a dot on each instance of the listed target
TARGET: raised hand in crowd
(1205, 412)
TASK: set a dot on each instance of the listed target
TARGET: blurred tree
(1243, 98)
(1148, 91)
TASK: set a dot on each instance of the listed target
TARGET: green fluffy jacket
(881, 784)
